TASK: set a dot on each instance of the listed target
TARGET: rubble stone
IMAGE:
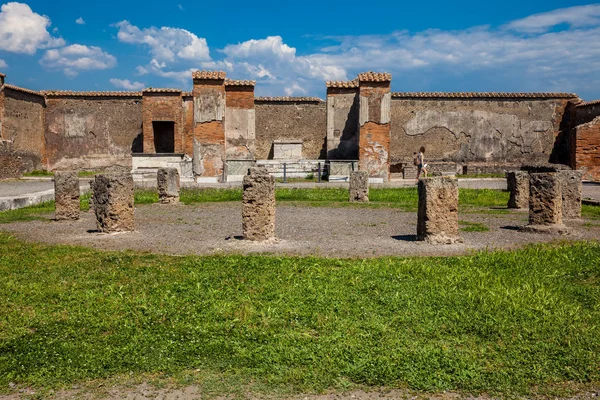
(359, 186)
(518, 188)
(571, 185)
(113, 202)
(66, 195)
(167, 180)
(438, 210)
(545, 204)
(258, 205)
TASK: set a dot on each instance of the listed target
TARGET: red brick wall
(587, 139)
(23, 123)
(375, 132)
(162, 107)
(240, 97)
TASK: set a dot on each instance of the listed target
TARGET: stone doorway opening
(164, 136)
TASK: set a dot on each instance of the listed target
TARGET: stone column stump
(571, 185)
(359, 186)
(438, 210)
(66, 195)
(545, 204)
(167, 180)
(258, 205)
(113, 202)
(518, 187)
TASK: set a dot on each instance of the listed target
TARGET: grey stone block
(438, 210)
(258, 205)
(167, 180)
(113, 202)
(359, 186)
(66, 195)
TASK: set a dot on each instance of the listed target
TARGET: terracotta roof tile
(289, 99)
(70, 93)
(474, 95)
(23, 90)
(233, 82)
(374, 77)
(2, 75)
(208, 75)
(342, 84)
(588, 103)
(161, 90)
(187, 94)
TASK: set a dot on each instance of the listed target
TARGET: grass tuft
(473, 226)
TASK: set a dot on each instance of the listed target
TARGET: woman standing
(421, 165)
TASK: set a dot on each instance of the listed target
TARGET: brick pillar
(66, 195)
(166, 106)
(359, 186)
(342, 120)
(258, 206)
(239, 120)
(167, 180)
(438, 210)
(113, 202)
(518, 187)
(545, 204)
(209, 127)
(374, 125)
(570, 186)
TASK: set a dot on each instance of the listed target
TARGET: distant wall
(585, 139)
(504, 130)
(23, 125)
(291, 120)
(92, 132)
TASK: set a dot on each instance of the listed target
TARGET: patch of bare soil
(216, 228)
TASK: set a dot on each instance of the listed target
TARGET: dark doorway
(164, 136)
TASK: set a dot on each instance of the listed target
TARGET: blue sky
(291, 48)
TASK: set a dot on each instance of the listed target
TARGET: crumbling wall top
(234, 82)
(374, 77)
(588, 103)
(23, 90)
(342, 84)
(217, 75)
(481, 95)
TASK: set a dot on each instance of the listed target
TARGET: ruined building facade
(220, 126)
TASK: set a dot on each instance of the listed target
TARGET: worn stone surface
(518, 189)
(545, 204)
(167, 180)
(359, 186)
(258, 205)
(113, 202)
(468, 130)
(438, 210)
(374, 129)
(66, 195)
(342, 124)
(240, 123)
(303, 120)
(571, 185)
(162, 107)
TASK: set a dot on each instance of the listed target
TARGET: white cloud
(127, 84)
(180, 7)
(272, 46)
(80, 21)
(3, 64)
(23, 31)
(578, 16)
(166, 44)
(76, 57)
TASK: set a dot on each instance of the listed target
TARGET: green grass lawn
(502, 322)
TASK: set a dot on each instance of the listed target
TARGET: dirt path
(216, 228)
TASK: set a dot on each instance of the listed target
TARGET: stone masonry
(518, 188)
(167, 180)
(258, 205)
(66, 195)
(113, 202)
(571, 185)
(438, 210)
(545, 204)
(359, 186)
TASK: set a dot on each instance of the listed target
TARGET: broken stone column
(545, 204)
(438, 210)
(66, 195)
(359, 186)
(518, 187)
(113, 202)
(258, 205)
(167, 180)
(571, 185)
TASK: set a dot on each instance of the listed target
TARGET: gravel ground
(216, 228)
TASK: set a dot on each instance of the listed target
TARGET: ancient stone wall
(587, 143)
(291, 119)
(342, 120)
(23, 123)
(240, 119)
(477, 129)
(162, 105)
(91, 131)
